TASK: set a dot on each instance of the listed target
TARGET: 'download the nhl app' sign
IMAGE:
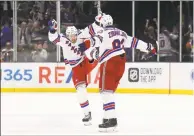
(146, 75)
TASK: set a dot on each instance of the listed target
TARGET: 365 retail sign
(38, 74)
(62, 74)
(9, 74)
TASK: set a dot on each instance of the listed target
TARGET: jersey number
(117, 43)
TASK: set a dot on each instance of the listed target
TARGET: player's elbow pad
(95, 54)
(91, 53)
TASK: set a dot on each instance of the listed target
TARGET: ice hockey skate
(87, 119)
(108, 125)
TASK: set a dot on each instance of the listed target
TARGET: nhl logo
(133, 75)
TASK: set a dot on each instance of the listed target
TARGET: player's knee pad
(81, 93)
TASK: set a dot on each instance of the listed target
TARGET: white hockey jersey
(112, 41)
(72, 55)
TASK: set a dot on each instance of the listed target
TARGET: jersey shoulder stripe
(91, 30)
(134, 42)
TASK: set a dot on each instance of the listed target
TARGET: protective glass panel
(6, 17)
(169, 44)
(146, 28)
(187, 39)
(32, 31)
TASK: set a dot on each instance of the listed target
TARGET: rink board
(96, 90)
(148, 78)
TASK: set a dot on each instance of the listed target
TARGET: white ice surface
(60, 114)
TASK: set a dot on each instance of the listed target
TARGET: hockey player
(108, 49)
(79, 63)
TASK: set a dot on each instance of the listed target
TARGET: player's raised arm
(54, 36)
(92, 29)
(132, 42)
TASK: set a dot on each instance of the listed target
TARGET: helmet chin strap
(97, 23)
(101, 24)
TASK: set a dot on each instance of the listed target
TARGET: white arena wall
(151, 78)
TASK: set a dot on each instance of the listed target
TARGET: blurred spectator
(166, 51)
(7, 53)
(189, 55)
(35, 14)
(174, 38)
(45, 45)
(23, 54)
(36, 29)
(5, 5)
(80, 6)
(41, 6)
(1, 57)
(6, 34)
(44, 23)
(6, 11)
(40, 54)
(149, 35)
(23, 35)
(67, 12)
(150, 32)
